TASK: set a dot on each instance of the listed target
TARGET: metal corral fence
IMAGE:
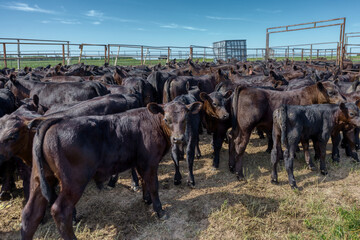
(17, 53)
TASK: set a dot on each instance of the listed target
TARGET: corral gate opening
(340, 52)
(228, 49)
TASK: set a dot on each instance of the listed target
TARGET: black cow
(294, 124)
(94, 148)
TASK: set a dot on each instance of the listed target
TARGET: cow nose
(225, 116)
(178, 140)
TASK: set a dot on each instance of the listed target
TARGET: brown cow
(254, 107)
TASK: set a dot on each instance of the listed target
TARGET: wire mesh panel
(228, 49)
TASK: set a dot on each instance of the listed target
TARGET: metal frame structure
(317, 24)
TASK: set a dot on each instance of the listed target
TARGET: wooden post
(350, 53)
(332, 53)
(19, 54)
(63, 54)
(288, 52)
(142, 55)
(4, 48)
(68, 53)
(267, 46)
(191, 53)
(302, 54)
(310, 53)
(108, 60)
(81, 49)
(117, 55)
(168, 56)
(293, 54)
(105, 58)
(317, 54)
(204, 54)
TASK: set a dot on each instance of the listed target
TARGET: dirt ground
(219, 207)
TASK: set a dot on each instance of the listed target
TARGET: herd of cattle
(66, 125)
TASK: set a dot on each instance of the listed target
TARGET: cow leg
(134, 180)
(308, 159)
(113, 180)
(197, 150)
(152, 184)
(62, 211)
(240, 145)
(350, 136)
(231, 152)
(190, 154)
(289, 155)
(218, 140)
(322, 152)
(175, 157)
(335, 139)
(8, 182)
(276, 153)
(270, 142)
(357, 140)
(25, 173)
(33, 211)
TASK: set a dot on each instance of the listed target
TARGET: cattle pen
(105, 140)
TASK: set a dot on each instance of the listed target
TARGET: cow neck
(160, 124)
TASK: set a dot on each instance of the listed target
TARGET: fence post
(332, 53)
(117, 55)
(4, 48)
(105, 58)
(68, 53)
(191, 53)
(63, 54)
(317, 54)
(310, 53)
(293, 54)
(19, 54)
(81, 49)
(302, 54)
(142, 55)
(168, 56)
(108, 54)
(204, 55)
(350, 53)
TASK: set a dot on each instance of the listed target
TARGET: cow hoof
(294, 187)
(232, 169)
(5, 196)
(177, 182)
(214, 169)
(191, 184)
(162, 215)
(268, 150)
(324, 172)
(312, 168)
(147, 201)
(275, 181)
(198, 156)
(241, 179)
(135, 188)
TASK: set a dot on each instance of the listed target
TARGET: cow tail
(283, 123)
(38, 156)
(234, 105)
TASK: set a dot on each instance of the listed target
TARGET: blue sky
(174, 23)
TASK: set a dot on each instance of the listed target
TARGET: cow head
(329, 93)
(174, 116)
(215, 104)
(17, 88)
(350, 113)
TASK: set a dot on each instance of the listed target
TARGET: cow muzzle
(177, 139)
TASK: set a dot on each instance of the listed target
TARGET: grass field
(219, 207)
(121, 61)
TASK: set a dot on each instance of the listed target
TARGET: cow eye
(351, 114)
(331, 93)
(166, 121)
(214, 104)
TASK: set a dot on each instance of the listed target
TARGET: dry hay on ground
(219, 207)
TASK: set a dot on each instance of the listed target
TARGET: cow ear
(342, 106)
(320, 86)
(13, 78)
(205, 97)
(228, 94)
(155, 108)
(195, 107)
(35, 100)
(357, 103)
